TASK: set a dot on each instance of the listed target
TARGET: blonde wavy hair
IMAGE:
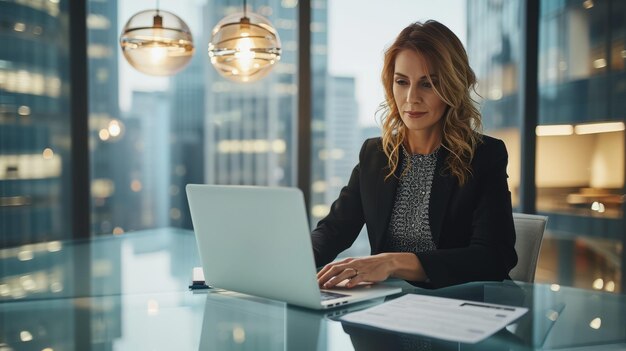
(447, 59)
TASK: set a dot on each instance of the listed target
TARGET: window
(35, 141)
(151, 136)
(353, 87)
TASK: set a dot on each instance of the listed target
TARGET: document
(438, 317)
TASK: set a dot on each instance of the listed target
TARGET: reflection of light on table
(596, 323)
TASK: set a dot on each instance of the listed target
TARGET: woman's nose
(413, 96)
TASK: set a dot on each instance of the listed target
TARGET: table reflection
(130, 293)
(235, 321)
(158, 260)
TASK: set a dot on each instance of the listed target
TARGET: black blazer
(471, 225)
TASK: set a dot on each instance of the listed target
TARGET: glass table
(130, 292)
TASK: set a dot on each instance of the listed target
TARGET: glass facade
(193, 127)
(148, 140)
(580, 133)
(580, 140)
(35, 140)
(494, 46)
(108, 134)
(250, 128)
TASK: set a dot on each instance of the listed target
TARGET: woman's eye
(426, 85)
(401, 82)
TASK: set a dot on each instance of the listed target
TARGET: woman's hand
(374, 268)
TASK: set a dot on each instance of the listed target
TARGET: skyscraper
(343, 135)
(250, 127)
(35, 162)
(579, 157)
(250, 135)
(186, 139)
(109, 137)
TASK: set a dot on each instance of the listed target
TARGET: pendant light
(157, 42)
(244, 46)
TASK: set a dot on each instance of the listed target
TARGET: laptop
(256, 241)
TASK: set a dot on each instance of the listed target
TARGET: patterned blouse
(409, 228)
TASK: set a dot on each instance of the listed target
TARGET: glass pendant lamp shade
(244, 47)
(157, 42)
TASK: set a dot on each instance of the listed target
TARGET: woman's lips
(415, 114)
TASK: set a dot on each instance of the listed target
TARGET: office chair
(529, 231)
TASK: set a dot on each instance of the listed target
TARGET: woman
(432, 191)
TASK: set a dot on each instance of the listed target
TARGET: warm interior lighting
(252, 146)
(136, 185)
(244, 47)
(319, 186)
(102, 188)
(495, 94)
(598, 207)
(26, 82)
(104, 134)
(598, 284)
(568, 129)
(239, 335)
(115, 128)
(19, 27)
(56, 287)
(587, 4)
(25, 335)
(47, 153)
(599, 128)
(599, 63)
(28, 283)
(320, 210)
(30, 166)
(157, 42)
(554, 130)
(54, 246)
(25, 255)
(23, 110)
(596, 323)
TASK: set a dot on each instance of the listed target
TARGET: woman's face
(419, 107)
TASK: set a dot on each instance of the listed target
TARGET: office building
(35, 162)
(343, 137)
(250, 135)
(579, 162)
(97, 252)
(186, 137)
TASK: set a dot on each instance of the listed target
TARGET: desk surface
(130, 293)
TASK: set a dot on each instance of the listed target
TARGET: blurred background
(150, 136)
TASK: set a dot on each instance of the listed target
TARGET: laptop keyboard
(327, 295)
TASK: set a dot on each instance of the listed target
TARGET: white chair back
(529, 231)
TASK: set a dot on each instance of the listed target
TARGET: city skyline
(341, 42)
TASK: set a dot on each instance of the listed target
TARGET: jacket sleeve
(491, 251)
(338, 230)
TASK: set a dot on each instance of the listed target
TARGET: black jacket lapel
(386, 195)
(443, 182)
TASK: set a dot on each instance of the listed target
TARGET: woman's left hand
(374, 268)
